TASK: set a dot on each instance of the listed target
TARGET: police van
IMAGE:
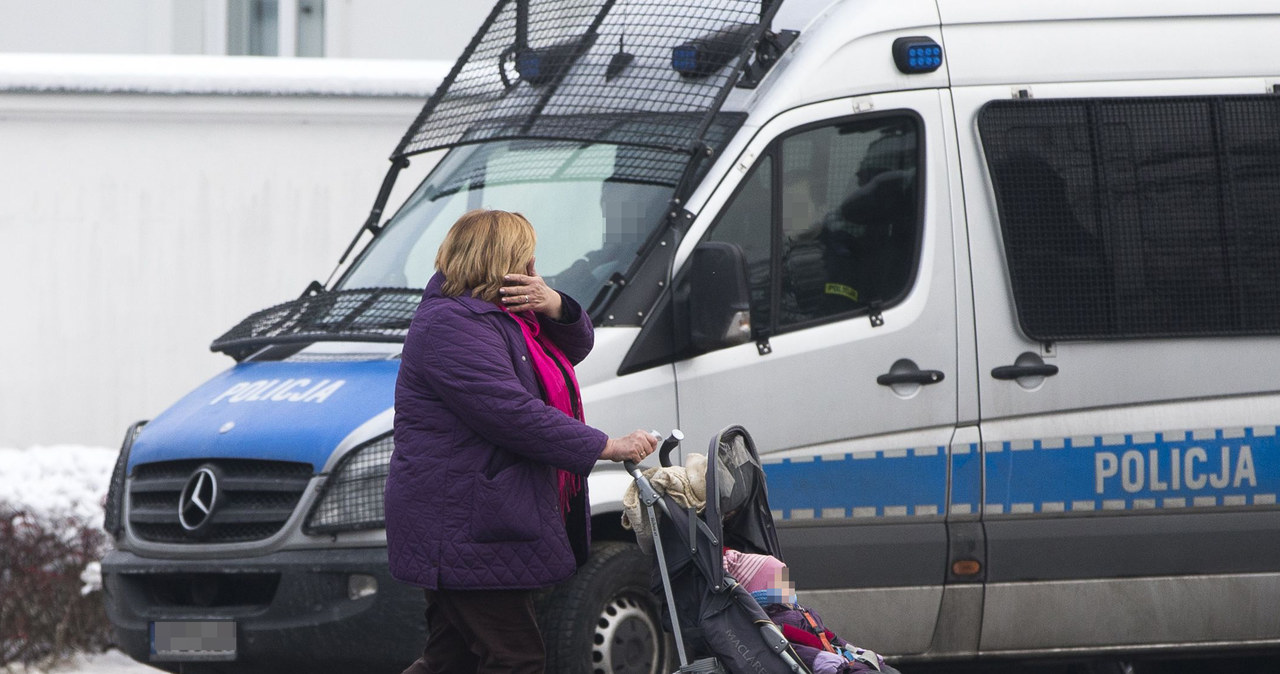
(994, 285)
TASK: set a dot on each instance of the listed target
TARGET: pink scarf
(555, 372)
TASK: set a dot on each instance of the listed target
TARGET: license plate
(193, 640)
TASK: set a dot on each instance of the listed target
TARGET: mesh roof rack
(576, 69)
(364, 315)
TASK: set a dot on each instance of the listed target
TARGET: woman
(486, 498)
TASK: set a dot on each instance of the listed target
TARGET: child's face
(780, 589)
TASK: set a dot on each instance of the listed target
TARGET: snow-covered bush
(51, 539)
(44, 616)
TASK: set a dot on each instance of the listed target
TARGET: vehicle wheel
(604, 620)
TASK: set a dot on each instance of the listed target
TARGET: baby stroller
(714, 620)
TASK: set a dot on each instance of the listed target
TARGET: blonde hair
(482, 247)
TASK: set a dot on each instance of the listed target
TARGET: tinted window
(747, 223)
(1139, 217)
(833, 231)
(848, 218)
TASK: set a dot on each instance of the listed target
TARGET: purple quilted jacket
(472, 498)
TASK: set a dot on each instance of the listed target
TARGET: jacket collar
(435, 291)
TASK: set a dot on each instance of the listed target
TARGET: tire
(604, 620)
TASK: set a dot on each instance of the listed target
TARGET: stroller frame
(724, 601)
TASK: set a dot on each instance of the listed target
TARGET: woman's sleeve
(467, 363)
(573, 333)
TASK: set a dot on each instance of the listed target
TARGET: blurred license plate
(193, 640)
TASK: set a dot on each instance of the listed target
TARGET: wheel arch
(606, 525)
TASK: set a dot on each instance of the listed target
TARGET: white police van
(995, 286)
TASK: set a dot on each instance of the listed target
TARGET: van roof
(1006, 41)
(991, 11)
(845, 48)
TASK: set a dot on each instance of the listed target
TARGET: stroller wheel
(605, 620)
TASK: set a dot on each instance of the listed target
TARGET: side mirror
(719, 298)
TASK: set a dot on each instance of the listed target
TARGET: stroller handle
(664, 452)
(664, 457)
(672, 441)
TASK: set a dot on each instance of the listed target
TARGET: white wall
(89, 26)
(135, 228)
(402, 29)
(381, 29)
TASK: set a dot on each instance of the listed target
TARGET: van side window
(848, 219)
(842, 234)
(747, 222)
(1139, 217)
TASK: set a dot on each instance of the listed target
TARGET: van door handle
(1018, 371)
(922, 377)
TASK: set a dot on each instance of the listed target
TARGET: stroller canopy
(737, 511)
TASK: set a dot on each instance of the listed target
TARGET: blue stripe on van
(966, 480)
(1177, 469)
(1220, 468)
(906, 482)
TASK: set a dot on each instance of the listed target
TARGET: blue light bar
(540, 66)
(529, 65)
(706, 55)
(915, 55)
(684, 59)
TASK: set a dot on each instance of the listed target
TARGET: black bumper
(292, 609)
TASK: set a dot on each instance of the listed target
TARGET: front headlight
(351, 499)
(114, 507)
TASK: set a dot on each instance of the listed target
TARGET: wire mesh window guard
(634, 165)
(582, 69)
(1151, 217)
(647, 76)
(594, 206)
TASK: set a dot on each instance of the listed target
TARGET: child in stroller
(765, 577)
(710, 611)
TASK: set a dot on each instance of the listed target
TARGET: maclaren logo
(280, 390)
(744, 651)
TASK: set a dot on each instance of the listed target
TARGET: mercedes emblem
(198, 499)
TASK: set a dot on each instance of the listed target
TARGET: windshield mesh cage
(633, 165)
(592, 71)
(365, 314)
(1139, 217)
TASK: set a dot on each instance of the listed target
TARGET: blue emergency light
(529, 64)
(539, 66)
(706, 55)
(915, 55)
(684, 59)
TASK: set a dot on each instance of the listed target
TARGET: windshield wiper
(606, 293)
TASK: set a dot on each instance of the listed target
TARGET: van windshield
(592, 205)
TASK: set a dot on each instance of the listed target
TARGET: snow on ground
(55, 482)
(111, 662)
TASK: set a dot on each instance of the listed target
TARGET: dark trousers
(480, 631)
